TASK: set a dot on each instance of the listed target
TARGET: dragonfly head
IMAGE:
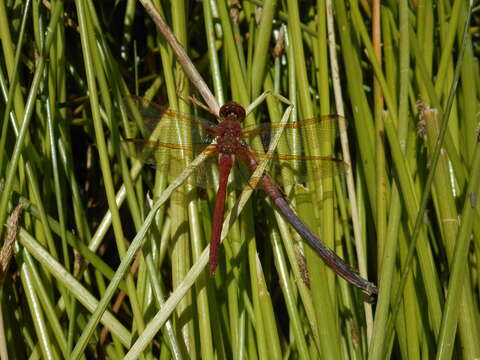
(232, 111)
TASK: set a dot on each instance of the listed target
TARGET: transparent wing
(172, 140)
(299, 157)
(171, 127)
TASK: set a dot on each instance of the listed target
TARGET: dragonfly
(175, 136)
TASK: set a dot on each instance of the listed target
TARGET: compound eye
(232, 109)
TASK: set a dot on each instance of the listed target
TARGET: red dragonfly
(175, 136)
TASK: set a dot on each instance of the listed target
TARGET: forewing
(174, 127)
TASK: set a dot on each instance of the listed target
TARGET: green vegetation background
(405, 212)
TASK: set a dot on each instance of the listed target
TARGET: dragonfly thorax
(229, 137)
